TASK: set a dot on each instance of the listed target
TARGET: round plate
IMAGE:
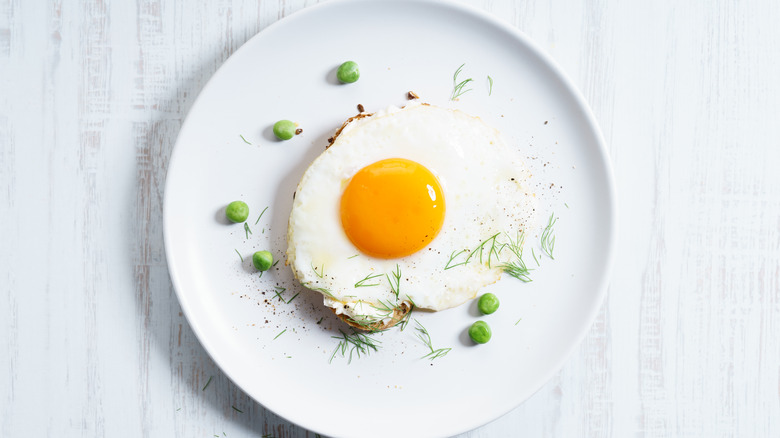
(275, 339)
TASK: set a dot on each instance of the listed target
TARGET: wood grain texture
(92, 339)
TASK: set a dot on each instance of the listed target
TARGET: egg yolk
(392, 208)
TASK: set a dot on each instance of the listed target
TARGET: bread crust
(399, 313)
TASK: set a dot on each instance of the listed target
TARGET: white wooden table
(92, 339)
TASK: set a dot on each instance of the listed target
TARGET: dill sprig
(353, 256)
(548, 239)
(290, 300)
(481, 248)
(396, 288)
(280, 334)
(517, 268)
(208, 382)
(384, 306)
(237, 410)
(459, 88)
(240, 256)
(453, 256)
(369, 277)
(356, 343)
(279, 291)
(425, 337)
(261, 215)
(494, 250)
(319, 289)
(405, 320)
(245, 141)
(535, 259)
(321, 272)
(518, 321)
(490, 89)
(247, 230)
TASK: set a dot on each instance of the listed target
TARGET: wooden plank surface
(92, 339)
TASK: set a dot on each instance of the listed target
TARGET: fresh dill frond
(290, 300)
(384, 306)
(321, 272)
(319, 289)
(548, 238)
(247, 230)
(518, 321)
(240, 256)
(567, 205)
(237, 410)
(242, 138)
(395, 287)
(261, 215)
(481, 247)
(517, 267)
(369, 277)
(459, 88)
(490, 89)
(425, 337)
(353, 256)
(535, 259)
(405, 320)
(208, 382)
(356, 343)
(275, 263)
(325, 291)
(279, 291)
(518, 270)
(280, 334)
(439, 352)
(453, 256)
(320, 320)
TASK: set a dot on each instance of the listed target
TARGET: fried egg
(420, 204)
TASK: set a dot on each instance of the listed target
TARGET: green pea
(348, 72)
(479, 332)
(488, 303)
(262, 260)
(237, 211)
(284, 129)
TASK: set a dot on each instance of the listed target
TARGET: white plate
(287, 72)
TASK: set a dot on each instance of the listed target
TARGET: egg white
(485, 190)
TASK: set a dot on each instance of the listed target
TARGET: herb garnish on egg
(369, 277)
